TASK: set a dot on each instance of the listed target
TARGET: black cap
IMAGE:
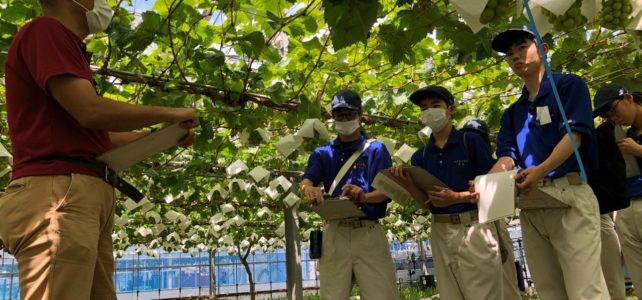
(503, 41)
(476, 125)
(346, 99)
(432, 91)
(605, 95)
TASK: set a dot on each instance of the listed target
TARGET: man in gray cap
(352, 249)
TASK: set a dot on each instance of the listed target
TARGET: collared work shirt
(530, 130)
(455, 164)
(326, 161)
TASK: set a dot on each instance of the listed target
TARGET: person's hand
(529, 179)
(354, 192)
(188, 139)
(442, 197)
(185, 117)
(403, 177)
(628, 145)
(313, 194)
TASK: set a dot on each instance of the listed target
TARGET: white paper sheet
(389, 143)
(404, 154)
(307, 129)
(265, 135)
(557, 7)
(236, 168)
(496, 195)
(541, 21)
(291, 199)
(288, 144)
(425, 133)
(259, 173)
(390, 188)
(322, 130)
(470, 11)
(227, 207)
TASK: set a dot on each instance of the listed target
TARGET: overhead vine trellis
(272, 64)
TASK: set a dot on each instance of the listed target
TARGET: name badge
(543, 115)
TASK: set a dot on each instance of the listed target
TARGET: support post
(293, 253)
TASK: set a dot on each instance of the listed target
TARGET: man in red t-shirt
(56, 215)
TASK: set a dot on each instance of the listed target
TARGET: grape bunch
(615, 14)
(255, 139)
(309, 144)
(494, 10)
(570, 19)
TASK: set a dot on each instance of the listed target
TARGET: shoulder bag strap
(348, 164)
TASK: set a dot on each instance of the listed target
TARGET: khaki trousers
(611, 258)
(563, 247)
(467, 261)
(629, 229)
(511, 291)
(360, 252)
(59, 229)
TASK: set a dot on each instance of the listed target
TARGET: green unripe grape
(568, 24)
(615, 14)
(492, 3)
(487, 15)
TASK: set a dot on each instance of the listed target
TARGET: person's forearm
(560, 153)
(504, 163)
(116, 116)
(375, 197)
(121, 138)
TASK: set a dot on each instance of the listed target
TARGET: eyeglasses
(611, 111)
(345, 115)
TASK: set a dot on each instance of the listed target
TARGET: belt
(108, 175)
(356, 223)
(465, 218)
(568, 179)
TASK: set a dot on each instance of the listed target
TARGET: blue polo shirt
(455, 164)
(530, 142)
(635, 183)
(326, 161)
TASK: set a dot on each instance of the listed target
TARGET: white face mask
(99, 18)
(435, 118)
(347, 127)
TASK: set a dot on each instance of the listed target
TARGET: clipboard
(543, 197)
(337, 209)
(388, 184)
(125, 156)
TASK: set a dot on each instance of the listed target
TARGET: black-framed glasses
(612, 107)
(346, 115)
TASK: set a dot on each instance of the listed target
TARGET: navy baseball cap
(434, 91)
(605, 95)
(476, 125)
(346, 99)
(502, 42)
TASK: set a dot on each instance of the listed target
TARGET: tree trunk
(248, 271)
